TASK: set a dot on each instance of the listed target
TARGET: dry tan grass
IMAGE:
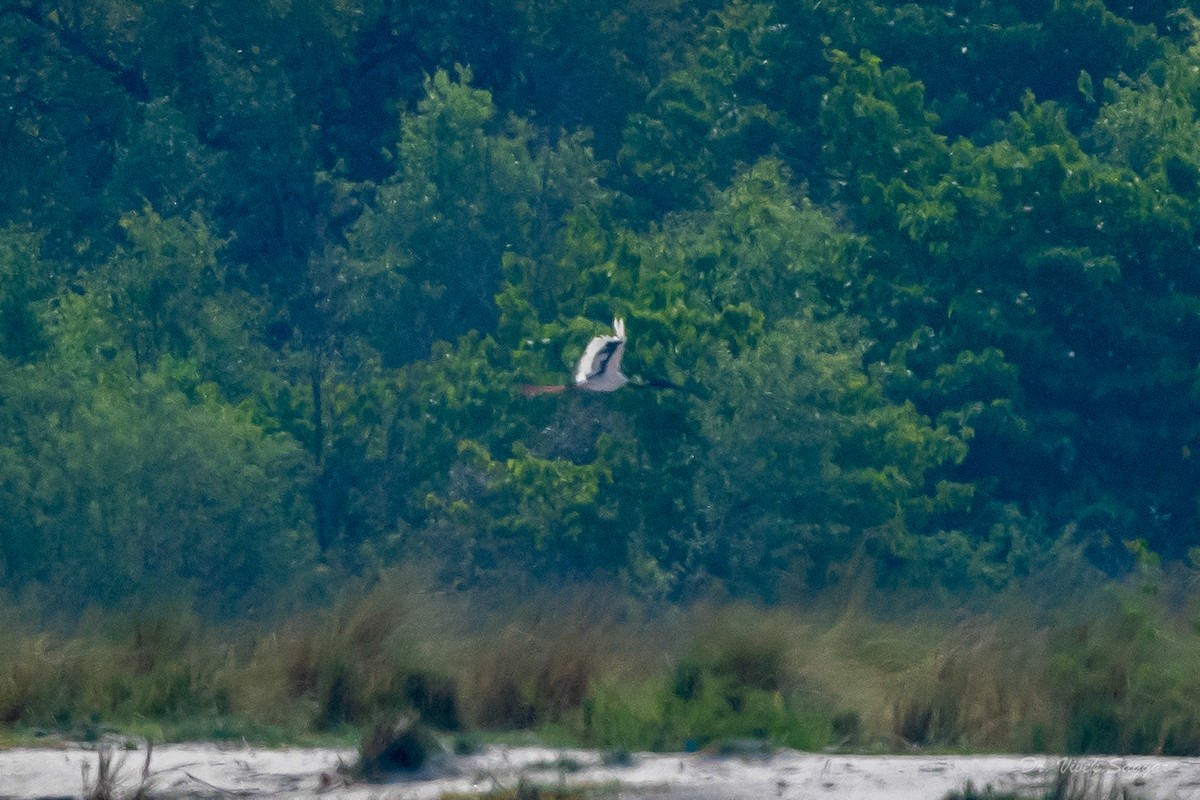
(542, 661)
(1016, 678)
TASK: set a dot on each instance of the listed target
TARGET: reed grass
(1111, 672)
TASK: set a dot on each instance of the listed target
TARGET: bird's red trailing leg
(530, 390)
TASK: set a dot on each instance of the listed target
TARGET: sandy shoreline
(207, 770)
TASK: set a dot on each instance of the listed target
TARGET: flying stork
(599, 367)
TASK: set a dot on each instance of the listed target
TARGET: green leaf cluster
(272, 274)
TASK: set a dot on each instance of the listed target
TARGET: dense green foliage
(271, 273)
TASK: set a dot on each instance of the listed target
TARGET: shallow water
(206, 770)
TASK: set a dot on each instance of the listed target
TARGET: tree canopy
(272, 272)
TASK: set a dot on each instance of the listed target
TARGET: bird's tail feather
(531, 390)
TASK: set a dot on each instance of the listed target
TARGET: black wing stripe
(600, 362)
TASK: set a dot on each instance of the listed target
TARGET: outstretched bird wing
(602, 354)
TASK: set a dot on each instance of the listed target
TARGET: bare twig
(222, 790)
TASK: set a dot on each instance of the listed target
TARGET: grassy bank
(1110, 670)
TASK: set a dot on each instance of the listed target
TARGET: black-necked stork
(599, 367)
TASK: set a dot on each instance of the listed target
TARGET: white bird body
(599, 367)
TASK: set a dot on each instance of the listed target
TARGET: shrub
(402, 745)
